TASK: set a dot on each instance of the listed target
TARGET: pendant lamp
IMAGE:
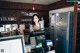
(33, 5)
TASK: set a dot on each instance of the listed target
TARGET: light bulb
(33, 8)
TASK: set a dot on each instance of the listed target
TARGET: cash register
(36, 40)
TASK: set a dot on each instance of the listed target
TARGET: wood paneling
(60, 4)
(75, 26)
(15, 5)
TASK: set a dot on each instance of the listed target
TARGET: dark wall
(60, 4)
(78, 34)
(17, 5)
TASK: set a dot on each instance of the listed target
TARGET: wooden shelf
(8, 22)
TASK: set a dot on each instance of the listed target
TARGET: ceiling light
(33, 5)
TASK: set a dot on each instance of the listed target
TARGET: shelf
(8, 22)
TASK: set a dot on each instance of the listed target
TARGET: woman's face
(36, 19)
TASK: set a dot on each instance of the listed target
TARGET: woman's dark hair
(38, 16)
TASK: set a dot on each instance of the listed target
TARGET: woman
(35, 23)
(35, 26)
